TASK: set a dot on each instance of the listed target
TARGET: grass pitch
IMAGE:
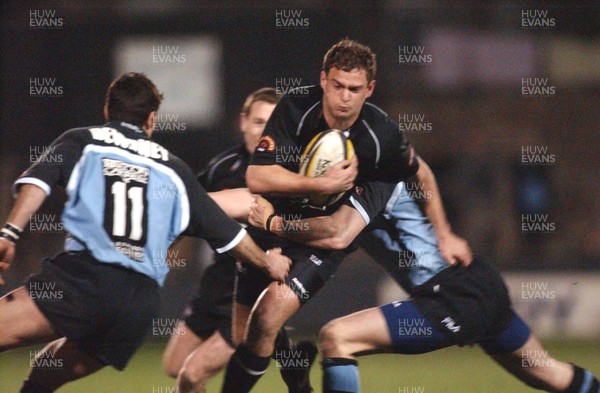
(453, 370)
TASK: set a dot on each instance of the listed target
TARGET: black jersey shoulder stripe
(214, 167)
(377, 145)
(377, 108)
(304, 117)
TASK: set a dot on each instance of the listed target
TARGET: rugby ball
(324, 151)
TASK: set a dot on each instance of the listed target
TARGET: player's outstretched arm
(334, 232)
(209, 221)
(272, 262)
(452, 247)
(29, 200)
(234, 202)
(275, 179)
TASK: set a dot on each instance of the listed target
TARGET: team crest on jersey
(266, 143)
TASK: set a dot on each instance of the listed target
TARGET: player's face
(253, 124)
(344, 93)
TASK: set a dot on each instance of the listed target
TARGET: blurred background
(501, 99)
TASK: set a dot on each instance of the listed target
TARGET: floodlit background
(500, 99)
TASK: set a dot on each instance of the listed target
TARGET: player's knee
(9, 339)
(332, 338)
(170, 367)
(80, 370)
(205, 363)
(191, 376)
(197, 373)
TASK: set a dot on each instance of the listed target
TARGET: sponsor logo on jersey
(127, 172)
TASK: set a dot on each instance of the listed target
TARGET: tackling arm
(334, 232)
(30, 199)
(234, 202)
(452, 247)
(432, 204)
(272, 262)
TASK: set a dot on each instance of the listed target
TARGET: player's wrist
(268, 223)
(267, 264)
(444, 233)
(320, 185)
(11, 232)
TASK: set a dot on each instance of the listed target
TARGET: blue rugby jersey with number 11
(128, 198)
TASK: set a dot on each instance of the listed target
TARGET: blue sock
(340, 375)
(583, 382)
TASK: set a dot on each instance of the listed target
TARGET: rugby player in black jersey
(204, 346)
(384, 155)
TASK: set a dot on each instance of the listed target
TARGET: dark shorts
(311, 268)
(211, 309)
(469, 304)
(105, 309)
(412, 333)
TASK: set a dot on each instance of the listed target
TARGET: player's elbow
(337, 243)
(339, 238)
(255, 181)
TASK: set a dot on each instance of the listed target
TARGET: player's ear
(243, 122)
(323, 80)
(370, 88)
(149, 124)
(105, 112)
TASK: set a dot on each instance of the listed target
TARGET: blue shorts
(413, 333)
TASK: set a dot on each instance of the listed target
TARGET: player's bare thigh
(363, 332)
(277, 303)
(21, 321)
(181, 344)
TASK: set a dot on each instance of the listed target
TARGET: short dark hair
(266, 94)
(131, 97)
(347, 55)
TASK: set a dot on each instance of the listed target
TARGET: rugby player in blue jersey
(119, 229)
(452, 304)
